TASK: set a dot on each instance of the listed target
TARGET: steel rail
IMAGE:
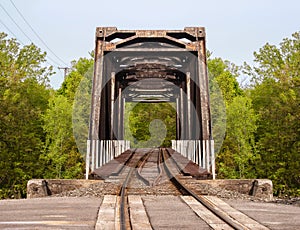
(205, 202)
(125, 164)
(140, 167)
(159, 169)
(180, 169)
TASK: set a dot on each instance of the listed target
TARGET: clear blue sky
(235, 28)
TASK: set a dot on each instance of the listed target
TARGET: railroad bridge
(150, 66)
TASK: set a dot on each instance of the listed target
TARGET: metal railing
(99, 152)
(199, 151)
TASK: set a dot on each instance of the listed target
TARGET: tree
(233, 121)
(66, 139)
(82, 104)
(276, 100)
(150, 124)
(83, 68)
(239, 146)
(223, 74)
(62, 158)
(23, 100)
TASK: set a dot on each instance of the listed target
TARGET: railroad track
(149, 168)
(138, 166)
(201, 199)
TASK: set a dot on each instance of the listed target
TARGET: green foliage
(82, 108)
(262, 133)
(239, 141)
(276, 100)
(80, 69)
(223, 74)
(233, 121)
(278, 63)
(36, 139)
(18, 64)
(278, 133)
(62, 157)
(150, 124)
(23, 100)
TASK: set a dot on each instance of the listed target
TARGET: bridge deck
(188, 167)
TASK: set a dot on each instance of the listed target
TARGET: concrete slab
(170, 212)
(235, 214)
(274, 216)
(49, 213)
(258, 188)
(138, 215)
(164, 212)
(107, 213)
(37, 188)
(210, 218)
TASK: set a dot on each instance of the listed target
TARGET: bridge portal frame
(106, 119)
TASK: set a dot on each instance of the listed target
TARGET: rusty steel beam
(114, 38)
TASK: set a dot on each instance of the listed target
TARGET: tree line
(262, 138)
(256, 127)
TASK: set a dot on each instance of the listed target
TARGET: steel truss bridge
(150, 66)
